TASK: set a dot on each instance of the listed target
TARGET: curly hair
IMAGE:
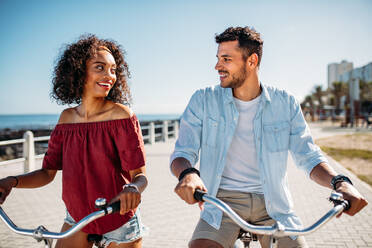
(249, 40)
(70, 71)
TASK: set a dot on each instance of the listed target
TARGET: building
(363, 73)
(335, 70)
(353, 78)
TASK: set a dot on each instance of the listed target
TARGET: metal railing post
(152, 133)
(29, 151)
(165, 131)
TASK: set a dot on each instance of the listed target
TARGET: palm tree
(365, 91)
(309, 100)
(339, 89)
(318, 93)
(308, 106)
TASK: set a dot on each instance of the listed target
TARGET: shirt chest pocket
(212, 130)
(276, 136)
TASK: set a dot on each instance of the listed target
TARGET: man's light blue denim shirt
(208, 125)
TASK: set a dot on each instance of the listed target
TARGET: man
(244, 130)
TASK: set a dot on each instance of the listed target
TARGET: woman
(97, 145)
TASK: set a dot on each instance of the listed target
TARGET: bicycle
(249, 232)
(42, 234)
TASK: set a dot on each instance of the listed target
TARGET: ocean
(38, 121)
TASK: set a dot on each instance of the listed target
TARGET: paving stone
(172, 221)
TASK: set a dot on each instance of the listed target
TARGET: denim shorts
(127, 233)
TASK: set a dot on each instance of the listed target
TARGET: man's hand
(350, 193)
(186, 187)
(323, 174)
(6, 186)
(189, 183)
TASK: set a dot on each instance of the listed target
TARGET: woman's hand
(129, 198)
(6, 185)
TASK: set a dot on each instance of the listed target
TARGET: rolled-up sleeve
(305, 152)
(189, 137)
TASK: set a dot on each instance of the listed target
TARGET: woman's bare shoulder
(121, 111)
(67, 116)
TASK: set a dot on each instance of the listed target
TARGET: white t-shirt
(241, 171)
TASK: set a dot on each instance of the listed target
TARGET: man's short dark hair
(249, 40)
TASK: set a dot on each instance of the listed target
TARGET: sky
(170, 45)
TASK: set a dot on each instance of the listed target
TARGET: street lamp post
(354, 94)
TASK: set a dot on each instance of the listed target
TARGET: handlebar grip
(346, 204)
(198, 195)
(338, 199)
(115, 206)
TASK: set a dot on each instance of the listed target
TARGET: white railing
(29, 157)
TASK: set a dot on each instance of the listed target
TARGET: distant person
(243, 130)
(348, 115)
(98, 145)
(366, 119)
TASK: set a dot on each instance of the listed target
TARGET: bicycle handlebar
(278, 229)
(41, 232)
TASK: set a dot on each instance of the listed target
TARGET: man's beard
(237, 79)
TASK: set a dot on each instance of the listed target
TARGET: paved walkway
(171, 221)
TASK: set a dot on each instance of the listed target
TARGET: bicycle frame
(278, 229)
(42, 234)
